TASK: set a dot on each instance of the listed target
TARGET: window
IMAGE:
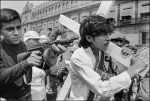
(63, 5)
(25, 30)
(52, 8)
(127, 8)
(145, 15)
(128, 17)
(111, 20)
(67, 3)
(49, 9)
(145, 37)
(59, 6)
(146, 4)
(125, 19)
(112, 11)
(55, 7)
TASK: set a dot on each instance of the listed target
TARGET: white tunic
(84, 78)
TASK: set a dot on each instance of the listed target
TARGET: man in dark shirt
(13, 85)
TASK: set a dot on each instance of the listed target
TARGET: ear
(2, 35)
(89, 38)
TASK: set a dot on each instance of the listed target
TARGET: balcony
(143, 20)
(133, 21)
(126, 22)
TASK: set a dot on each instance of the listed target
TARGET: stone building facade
(132, 17)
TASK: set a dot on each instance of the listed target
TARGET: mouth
(15, 39)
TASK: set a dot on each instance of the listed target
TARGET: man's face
(101, 42)
(52, 37)
(12, 31)
(32, 42)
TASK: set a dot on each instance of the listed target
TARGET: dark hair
(94, 25)
(8, 15)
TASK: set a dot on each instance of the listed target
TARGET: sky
(18, 4)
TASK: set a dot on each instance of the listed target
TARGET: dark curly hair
(8, 15)
(94, 25)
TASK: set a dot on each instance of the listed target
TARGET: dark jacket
(12, 84)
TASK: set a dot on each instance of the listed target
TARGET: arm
(51, 54)
(94, 82)
(10, 74)
(50, 57)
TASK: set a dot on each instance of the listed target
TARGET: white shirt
(38, 90)
(84, 78)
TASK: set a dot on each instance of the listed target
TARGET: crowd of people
(31, 72)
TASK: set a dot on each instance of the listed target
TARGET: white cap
(43, 39)
(31, 35)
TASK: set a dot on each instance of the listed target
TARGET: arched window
(49, 9)
(67, 2)
(52, 9)
(58, 6)
(55, 7)
(46, 10)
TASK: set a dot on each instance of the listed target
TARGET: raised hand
(126, 52)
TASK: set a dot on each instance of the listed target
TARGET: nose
(16, 31)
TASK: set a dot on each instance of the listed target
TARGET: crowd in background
(47, 80)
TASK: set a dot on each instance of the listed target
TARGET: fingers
(34, 59)
(126, 52)
(36, 55)
(62, 48)
(36, 52)
(55, 48)
(58, 48)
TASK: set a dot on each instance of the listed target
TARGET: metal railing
(133, 21)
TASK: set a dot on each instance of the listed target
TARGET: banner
(115, 52)
(69, 23)
(104, 8)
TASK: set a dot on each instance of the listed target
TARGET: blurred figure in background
(60, 70)
(38, 86)
(38, 90)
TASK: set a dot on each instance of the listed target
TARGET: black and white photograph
(74, 50)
